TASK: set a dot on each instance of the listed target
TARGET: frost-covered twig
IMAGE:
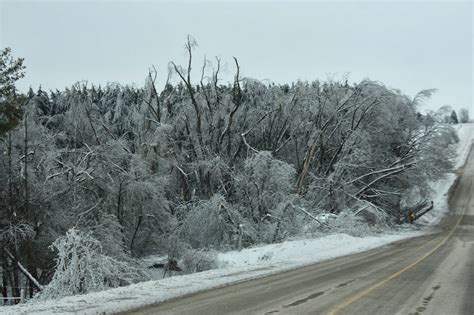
(248, 145)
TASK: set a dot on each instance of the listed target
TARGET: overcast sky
(406, 45)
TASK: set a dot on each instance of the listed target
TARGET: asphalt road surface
(431, 274)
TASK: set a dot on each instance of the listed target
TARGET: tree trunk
(10, 177)
(25, 175)
(140, 219)
(5, 277)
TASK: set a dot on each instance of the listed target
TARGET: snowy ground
(246, 264)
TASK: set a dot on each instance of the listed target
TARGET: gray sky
(406, 45)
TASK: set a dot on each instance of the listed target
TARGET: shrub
(199, 260)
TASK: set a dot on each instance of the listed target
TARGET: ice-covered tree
(139, 170)
(82, 267)
(463, 115)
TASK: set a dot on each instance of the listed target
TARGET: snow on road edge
(466, 140)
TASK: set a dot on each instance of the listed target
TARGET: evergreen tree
(11, 70)
(454, 117)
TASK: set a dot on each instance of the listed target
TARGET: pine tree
(11, 70)
(454, 117)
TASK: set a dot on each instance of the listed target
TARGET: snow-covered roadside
(441, 187)
(237, 266)
(247, 264)
(466, 140)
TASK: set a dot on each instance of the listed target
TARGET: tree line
(122, 172)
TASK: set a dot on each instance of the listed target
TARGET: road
(431, 274)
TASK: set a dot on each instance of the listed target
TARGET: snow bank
(244, 265)
(292, 254)
(466, 139)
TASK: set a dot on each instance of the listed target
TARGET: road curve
(431, 274)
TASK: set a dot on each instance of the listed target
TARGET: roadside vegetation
(95, 177)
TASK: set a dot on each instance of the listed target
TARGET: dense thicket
(206, 166)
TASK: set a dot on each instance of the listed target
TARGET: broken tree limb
(424, 211)
(310, 215)
(24, 271)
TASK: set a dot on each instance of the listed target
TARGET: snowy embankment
(441, 187)
(247, 264)
(235, 267)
